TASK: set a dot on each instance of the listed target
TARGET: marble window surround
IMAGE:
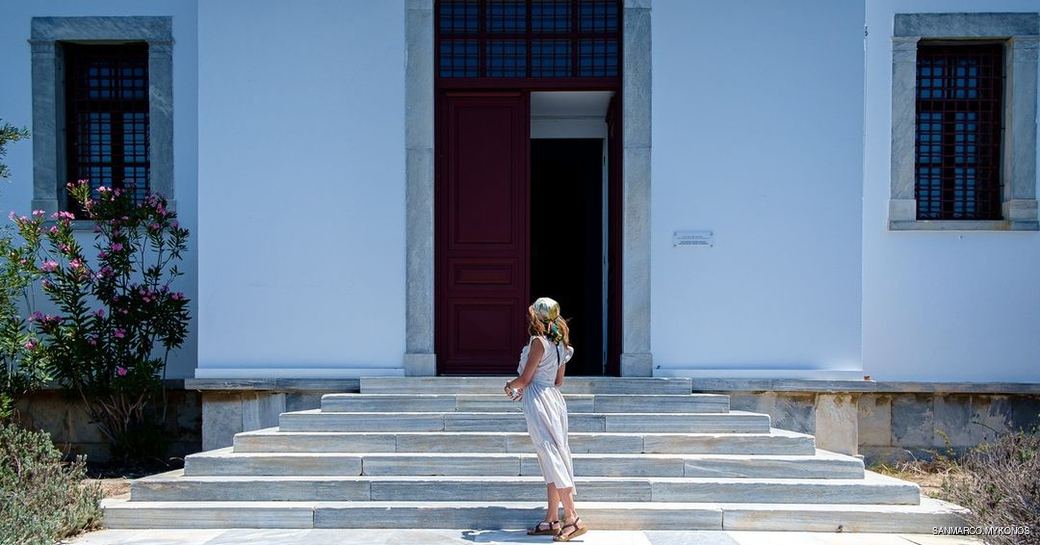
(1021, 31)
(420, 357)
(48, 98)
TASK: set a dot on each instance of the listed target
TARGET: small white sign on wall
(693, 238)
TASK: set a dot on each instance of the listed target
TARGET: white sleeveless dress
(546, 414)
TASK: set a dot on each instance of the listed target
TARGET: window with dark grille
(959, 129)
(106, 105)
(528, 38)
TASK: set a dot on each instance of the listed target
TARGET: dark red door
(481, 271)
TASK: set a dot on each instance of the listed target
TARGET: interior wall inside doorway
(569, 217)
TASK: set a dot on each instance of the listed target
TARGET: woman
(541, 372)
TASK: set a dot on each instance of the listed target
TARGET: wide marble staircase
(441, 452)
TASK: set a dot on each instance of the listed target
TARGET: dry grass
(114, 487)
(928, 474)
(1001, 487)
(998, 482)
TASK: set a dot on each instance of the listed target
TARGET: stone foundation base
(66, 420)
(887, 422)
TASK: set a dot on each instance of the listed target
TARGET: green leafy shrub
(42, 498)
(9, 134)
(1000, 484)
(21, 368)
(118, 317)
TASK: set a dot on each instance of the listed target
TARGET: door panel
(481, 230)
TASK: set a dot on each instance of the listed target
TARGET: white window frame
(1021, 35)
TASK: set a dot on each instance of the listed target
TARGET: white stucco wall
(769, 128)
(757, 136)
(16, 107)
(301, 186)
(939, 305)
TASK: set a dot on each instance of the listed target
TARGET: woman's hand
(514, 392)
(534, 355)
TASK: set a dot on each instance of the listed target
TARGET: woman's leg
(569, 513)
(553, 512)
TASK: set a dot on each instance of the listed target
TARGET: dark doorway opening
(567, 251)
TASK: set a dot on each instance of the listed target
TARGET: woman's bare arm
(534, 355)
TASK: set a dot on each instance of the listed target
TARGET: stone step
(493, 384)
(519, 514)
(822, 465)
(175, 486)
(316, 420)
(579, 403)
(775, 442)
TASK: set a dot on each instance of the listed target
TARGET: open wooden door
(481, 225)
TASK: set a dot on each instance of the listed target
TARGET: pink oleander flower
(63, 216)
(38, 213)
(76, 264)
(117, 247)
(49, 322)
(102, 254)
(119, 333)
(53, 230)
(102, 189)
(154, 226)
(100, 313)
(177, 296)
(36, 316)
(121, 371)
(29, 345)
(12, 216)
(49, 266)
(46, 283)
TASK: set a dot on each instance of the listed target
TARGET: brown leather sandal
(575, 533)
(539, 530)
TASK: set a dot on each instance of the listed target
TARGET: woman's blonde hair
(535, 326)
